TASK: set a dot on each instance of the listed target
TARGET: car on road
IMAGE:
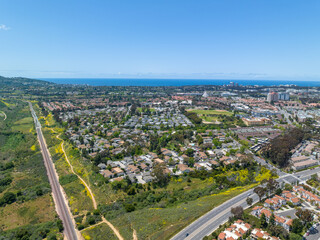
(187, 234)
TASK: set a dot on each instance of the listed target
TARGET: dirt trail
(135, 237)
(5, 115)
(89, 190)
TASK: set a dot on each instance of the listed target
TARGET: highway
(209, 222)
(60, 202)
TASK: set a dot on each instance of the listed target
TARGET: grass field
(201, 112)
(211, 116)
(223, 118)
(33, 208)
(101, 231)
(140, 109)
(39, 210)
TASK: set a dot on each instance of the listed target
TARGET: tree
(272, 185)
(293, 236)
(131, 191)
(297, 226)
(249, 201)
(189, 152)
(276, 230)
(278, 191)
(237, 212)
(9, 198)
(304, 215)
(279, 148)
(260, 191)
(129, 207)
(272, 220)
(161, 177)
(263, 221)
(60, 225)
(288, 187)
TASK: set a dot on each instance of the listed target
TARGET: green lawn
(211, 112)
(223, 118)
(140, 109)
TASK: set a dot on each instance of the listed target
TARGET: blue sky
(226, 39)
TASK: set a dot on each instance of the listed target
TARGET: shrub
(129, 207)
(8, 198)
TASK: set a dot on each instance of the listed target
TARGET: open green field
(201, 112)
(140, 109)
(23, 175)
(101, 231)
(223, 118)
(30, 212)
(211, 116)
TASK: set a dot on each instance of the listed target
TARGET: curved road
(62, 208)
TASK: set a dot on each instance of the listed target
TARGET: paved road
(286, 115)
(62, 208)
(314, 234)
(206, 224)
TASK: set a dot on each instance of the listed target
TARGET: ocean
(174, 82)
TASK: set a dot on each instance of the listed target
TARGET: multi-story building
(284, 96)
(272, 97)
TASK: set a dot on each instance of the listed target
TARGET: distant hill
(20, 82)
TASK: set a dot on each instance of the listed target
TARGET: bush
(8, 198)
(60, 225)
(129, 207)
(80, 227)
(91, 220)
(294, 236)
(53, 237)
(5, 181)
(96, 212)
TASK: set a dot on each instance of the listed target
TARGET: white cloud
(4, 27)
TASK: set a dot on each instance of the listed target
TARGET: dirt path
(92, 226)
(81, 179)
(5, 115)
(135, 237)
(89, 190)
